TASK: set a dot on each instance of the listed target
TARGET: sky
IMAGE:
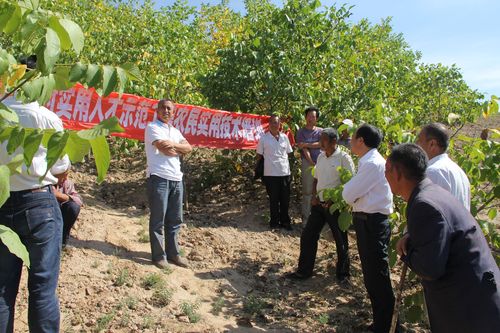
(461, 32)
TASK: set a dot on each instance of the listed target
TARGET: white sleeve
(179, 136)
(348, 163)
(361, 183)
(437, 178)
(260, 146)
(289, 148)
(152, 134)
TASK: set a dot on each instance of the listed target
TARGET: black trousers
(373, 234)
(69, 211)
(278, 190)
(309, 242)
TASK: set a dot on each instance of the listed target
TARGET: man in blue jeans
(164, 145)
(33, 213)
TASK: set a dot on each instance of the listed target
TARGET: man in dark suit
(446, 248)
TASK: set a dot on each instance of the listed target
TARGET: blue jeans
(165, 203)
(36, 218)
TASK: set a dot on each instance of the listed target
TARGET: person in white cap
(68, 198)
(345, 137)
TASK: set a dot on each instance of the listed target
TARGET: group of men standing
(443, 243)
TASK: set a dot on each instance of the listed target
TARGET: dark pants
(165, 204)
(36, 218)
(309, 242)
(278, 190)
(69, 211)
(373, 234)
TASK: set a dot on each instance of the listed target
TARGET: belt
(366, 216)
(45, 188)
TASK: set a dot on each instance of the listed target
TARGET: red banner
(80, 108)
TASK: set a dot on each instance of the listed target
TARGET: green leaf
(77, 72)
(12, 241)
(109, 80)
(61, 75)
(94, 75)
(15, 164)
(77, 147)
(55, 24)
(51, 51)
(75, 34)
(8, 114)
(33, 89)
(55, 148)
(345, 220)
(31, 144)
(122, 79)
(15, 140)
(133, 72)
(4, 184)
(14, 21)
(102, 156)
(49, 83)
(492, 213)
(104, 128)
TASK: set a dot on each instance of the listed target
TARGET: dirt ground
(236, 284)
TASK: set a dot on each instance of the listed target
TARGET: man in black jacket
(445, 247)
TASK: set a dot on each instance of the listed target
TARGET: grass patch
(217, 306)
(148, 322)
(143, 236)
(104, 321)
(323, 318)
(153, 281)
(253, 305)
(130, 302)
(162, 297)
(191, 311)
(123, 278)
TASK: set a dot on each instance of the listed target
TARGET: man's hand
(315, 201)
(164, 144)
(61, 197)
(170, 152)
(401, 245)
(302, 145)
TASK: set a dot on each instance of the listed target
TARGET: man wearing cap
(345, 137)
(308, 142)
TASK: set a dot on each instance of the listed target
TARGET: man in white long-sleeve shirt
(370, 196)
(434, 140)
(33, 213)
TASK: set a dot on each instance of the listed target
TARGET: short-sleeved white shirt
(33, 115)
(326, 172)
(159, 164)
(275, 152)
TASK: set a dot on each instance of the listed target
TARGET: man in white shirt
(164, 144)
(33, 213)
(370, 196)
(326, 176)
(434, 140)
(274, 147)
